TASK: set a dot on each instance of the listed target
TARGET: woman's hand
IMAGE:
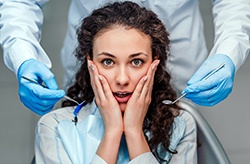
(111, 115)
(109, 107)
(138, 104)
(135, 113)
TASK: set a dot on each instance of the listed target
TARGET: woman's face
(123, 57)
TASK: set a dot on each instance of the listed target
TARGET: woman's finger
(106, 88)
(148, 86)
(95, 81)
(138, 89)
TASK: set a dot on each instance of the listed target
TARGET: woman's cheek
(139, 75)
(108, 75)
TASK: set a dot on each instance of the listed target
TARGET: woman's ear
(156, 57)
(88, 56)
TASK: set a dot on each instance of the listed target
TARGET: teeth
(121, 94)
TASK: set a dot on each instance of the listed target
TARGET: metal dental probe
(169, 102)
(33, 81)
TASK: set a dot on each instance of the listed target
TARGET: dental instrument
(169, 102)
(43, 85)
(77, 108)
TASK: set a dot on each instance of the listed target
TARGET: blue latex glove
(34, 96)
(217, 87)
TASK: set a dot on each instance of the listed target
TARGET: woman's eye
(137, 62)
(107, 62)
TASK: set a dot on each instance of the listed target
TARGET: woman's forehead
(129, 41)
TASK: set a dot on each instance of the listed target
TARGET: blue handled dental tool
(169, 102)
(77, 108)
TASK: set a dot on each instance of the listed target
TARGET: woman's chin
(123, 106)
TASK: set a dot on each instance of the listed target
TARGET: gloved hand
(217, 87)
(34, 96)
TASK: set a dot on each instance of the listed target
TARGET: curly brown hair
(160, 117)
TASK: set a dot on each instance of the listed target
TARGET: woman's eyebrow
(106, 54)
(137, 54)
(130, 56)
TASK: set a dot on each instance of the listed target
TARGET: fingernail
(145, 78)
(91, 66)
(155, 64)
(100, 77)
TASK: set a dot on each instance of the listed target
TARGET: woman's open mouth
(122, 97)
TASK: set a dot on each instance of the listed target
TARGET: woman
(122, 82)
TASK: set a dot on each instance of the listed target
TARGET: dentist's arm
(231, 46)
(20, 32)
(232, 31)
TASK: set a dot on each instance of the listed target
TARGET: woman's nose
(122, 77)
